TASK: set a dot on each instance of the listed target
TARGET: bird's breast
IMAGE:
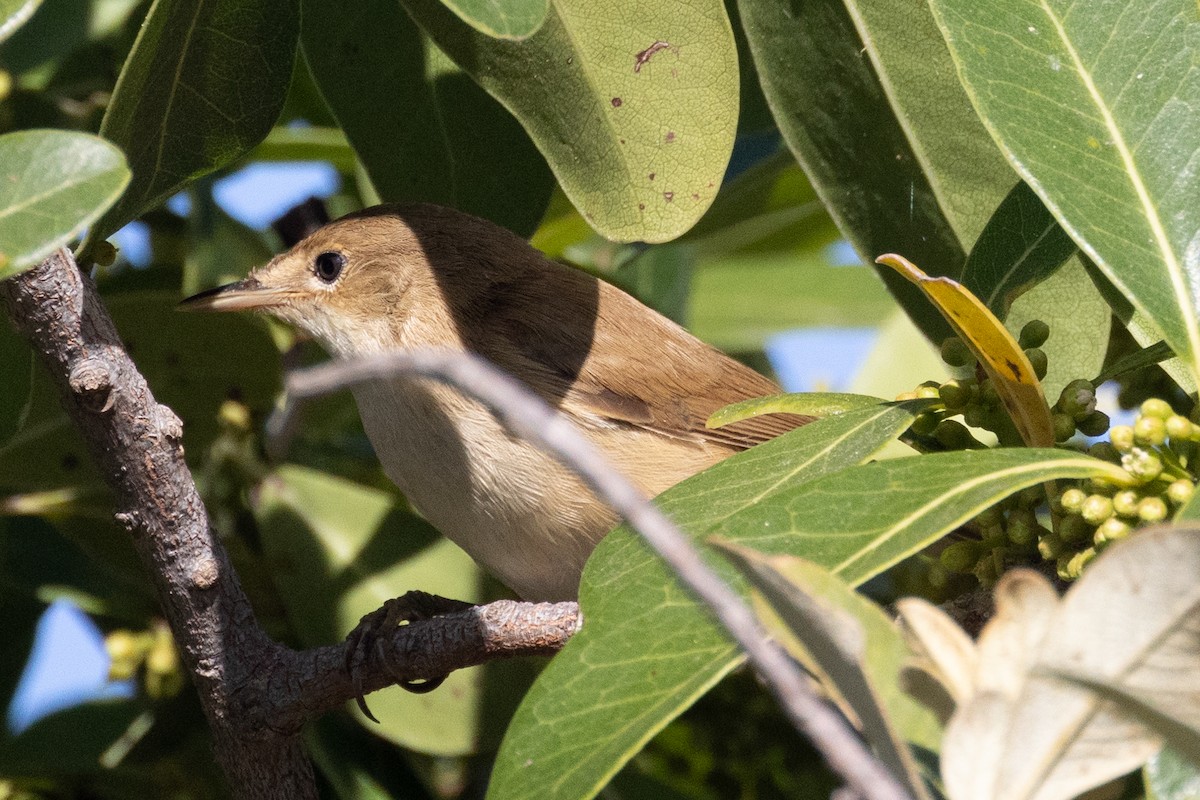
(513, 508)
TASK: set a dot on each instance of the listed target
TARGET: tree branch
(256, 694)
(527, 416)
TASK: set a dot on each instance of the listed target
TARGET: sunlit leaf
(850, 644)
(1097, 105)
(512, 19)
(1169, 776)
(53, 184)
(644, 103)
(203, 84)
(998, 352)
(812, 404)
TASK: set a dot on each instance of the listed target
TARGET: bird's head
(355, 284)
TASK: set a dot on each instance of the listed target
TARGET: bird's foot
(413, 606)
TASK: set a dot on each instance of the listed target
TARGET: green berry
(975, 416)
(1078, 399)
(1096, 509)
(956, 353)
(988, 394)
(961, 556)
(1180, 491)
(1064, 426)
(928, 391)
(1094, 424)
(1152, 509)
(1034, 334)
(1149, 431)
(924, 424)
(1155, 407)
(1126, 502)
(1038, 360)
(953, 435)
(906, 396)
(1179, 427)
(1105, 451)
(1111, 530)
(1121, 437)
(956, 394)
(1051, 546)
(1073, 499)
(1078, 562)
(1031, 497)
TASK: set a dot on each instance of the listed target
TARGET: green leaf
(53, 185)
(812, 404)
(1101, 119)
(642, 114)
(422, 128)
(1021, 246)
(14, 14)
(605, 694)
(203, 84)
(868, 175)
(966, 172)
(583, 718)
(1080, 324)
(1169, 776)
(512, 19)
(338, 550)
(850, 645)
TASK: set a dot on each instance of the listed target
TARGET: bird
(639, 386)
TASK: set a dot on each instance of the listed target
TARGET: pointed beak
(245, 295)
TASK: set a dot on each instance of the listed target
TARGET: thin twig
(526, 415)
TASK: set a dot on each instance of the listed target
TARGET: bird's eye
(328, 266)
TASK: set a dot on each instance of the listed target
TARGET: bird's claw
(413, 606)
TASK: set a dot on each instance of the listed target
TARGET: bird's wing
(669, 381)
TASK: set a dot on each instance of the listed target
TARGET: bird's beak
(245, 295)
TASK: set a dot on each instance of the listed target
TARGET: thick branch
(527, 416)
(256, 694)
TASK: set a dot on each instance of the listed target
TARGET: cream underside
(515, 510)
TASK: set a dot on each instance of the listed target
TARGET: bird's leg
(413, 606)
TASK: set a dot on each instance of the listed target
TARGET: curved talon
(415, 606)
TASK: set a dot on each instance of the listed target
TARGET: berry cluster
(1158, 451)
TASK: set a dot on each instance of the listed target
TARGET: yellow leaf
(994, 347)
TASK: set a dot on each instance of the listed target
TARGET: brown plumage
(637, 384)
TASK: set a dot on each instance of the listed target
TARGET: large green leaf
(423, 129)
(203, 84)
(647, 650)
(338, 550)
(1097, 105)
(601, 699)
(512, 19)
(868, 175)
(1021, 246)
(966, 172)
(633, 104)
(14, 13)
(53, 184)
